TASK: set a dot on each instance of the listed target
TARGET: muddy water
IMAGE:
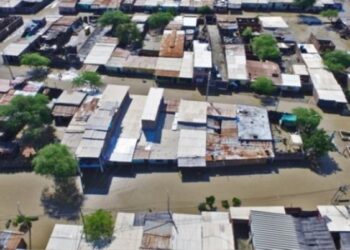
(284, 186)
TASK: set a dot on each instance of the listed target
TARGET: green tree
(128, 33)
(225, 204)
(247, 33)
(205, 10)
(210, 201)
(99, 225)
(263, 85)
(236, 202)
(159, 20)
(55, 160)
(265, 47)
(317, 143)
(29, 111)
(202, 207)
(337, 61)
(113, 18)
(331, 14)
(35, 60)
(304, 4)
(307, 119)
(90, 78)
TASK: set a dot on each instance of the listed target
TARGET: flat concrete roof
(336, 217)
(192, 112)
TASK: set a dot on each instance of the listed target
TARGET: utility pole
(83, 220)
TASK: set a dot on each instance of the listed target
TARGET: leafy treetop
(88, 77)
(330, 14)
(113, 18)
(99, 225)
(317, 143)
(265, 47)
(35, 60)
(307, 119)
(205, 10)
(128, 33)
(247, 33)
(263, 85)
(55, 160)
(159, 20)
(337, 61)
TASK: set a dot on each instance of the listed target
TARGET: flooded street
(276, 186)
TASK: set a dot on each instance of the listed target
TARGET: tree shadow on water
(63, 200)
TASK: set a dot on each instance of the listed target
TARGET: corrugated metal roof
(89, 148)
(186, 70)
(168, 67)
(172, 44)
(101, 52)
(236, 62)
(65, 237)
(337, 217)
(273, 231)
(123, 150)
(192, 112)
(192, 143)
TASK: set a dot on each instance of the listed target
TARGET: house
(290, 83)
(273, 22)
(154, 104)
(22, 6)
(236, 64)
(326, 90)
(202, 63)
(321, 44)
(67, 104)
(8, 25)
(11, 240)
(172, 44)
(67, 7)
(101, 52)
(268, 69)
(151, 45)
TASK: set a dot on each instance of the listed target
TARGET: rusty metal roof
(172, 44)
(268, 69)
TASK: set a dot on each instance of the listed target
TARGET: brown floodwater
(283, 186)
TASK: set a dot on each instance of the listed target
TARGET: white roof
(190, 21)
(192, 143)
(273, 22)
(312, 61)
(236, 62)
(337, 218)
(114, 94)
(192, 112)
(326, 86)
(89, 148)
(9, 3)
(152, 106)
(139, 18)
(65, 237)
(100, 53)
(296, 139)
(202, 56)
(290, 80)
(15, 49)
(243, 213)
(123, 150)
(308, 47)
(186, 70)
(217, 236)
(169, 64)
(300, 69)
(71, 98)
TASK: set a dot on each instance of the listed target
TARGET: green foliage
(26, 110)
(330, 14)
(337, 61)
(55, 160)
(113, 18)
(307, 119)
(99, 225)
(210, 200)
(247, 33)
(88, 77)
(35, 60)
(263, 85)
(205, 10)
(128, 33)
(202, 207)
(304, 4)
(236, 202)
(159, 20)
(265, 47)
(317, 143)
(225, 204)
(24, 222)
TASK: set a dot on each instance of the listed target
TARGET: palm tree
(24, 223)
